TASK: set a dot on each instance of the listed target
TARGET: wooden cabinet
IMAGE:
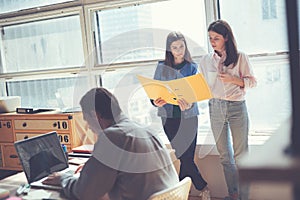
(71, 128)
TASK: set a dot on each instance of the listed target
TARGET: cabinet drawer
(41, 124)
(6, 132)
(22, 136)
(11, 158)
(64, 138)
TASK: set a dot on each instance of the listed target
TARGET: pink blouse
(211, 65)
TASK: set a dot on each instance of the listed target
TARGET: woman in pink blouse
(228, 73)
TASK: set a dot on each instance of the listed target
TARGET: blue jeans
(182, 134)
(230, 127)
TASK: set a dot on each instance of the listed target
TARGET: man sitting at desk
(128, 162)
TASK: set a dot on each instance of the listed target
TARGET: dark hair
(222, 27)
(102, 102)
(169, 58)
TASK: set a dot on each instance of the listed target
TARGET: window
(253, 34)
(43, 44)
(269, 104)
(138, 33)
(48, 93)
(51, 58)
(36, 54)
(15, 5)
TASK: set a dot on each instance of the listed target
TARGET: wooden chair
(180, 191)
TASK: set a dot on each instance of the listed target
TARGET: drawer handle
(13, 156)
(24, 124)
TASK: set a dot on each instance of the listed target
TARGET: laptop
(40, 156)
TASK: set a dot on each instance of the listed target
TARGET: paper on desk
(37, 194)
(192, 88)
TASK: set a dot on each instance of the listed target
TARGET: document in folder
(192, 88)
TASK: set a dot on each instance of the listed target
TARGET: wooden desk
(13, 182)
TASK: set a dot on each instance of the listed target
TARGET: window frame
(65, 12)
(211, 14)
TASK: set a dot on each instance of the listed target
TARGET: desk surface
(12, 183)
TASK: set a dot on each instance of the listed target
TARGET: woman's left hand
(183, 104)
(226, 78)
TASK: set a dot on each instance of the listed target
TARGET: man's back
(128, 162)
(143, 163)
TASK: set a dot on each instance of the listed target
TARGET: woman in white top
(229, 74)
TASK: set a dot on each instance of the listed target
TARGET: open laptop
(40, 156)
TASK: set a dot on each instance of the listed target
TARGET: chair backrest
(180, 191)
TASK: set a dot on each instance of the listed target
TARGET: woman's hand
(183, 104)
(159, 102)
(227, 78)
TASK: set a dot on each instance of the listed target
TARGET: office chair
(180, 191)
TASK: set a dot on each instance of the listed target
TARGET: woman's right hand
(159, 102)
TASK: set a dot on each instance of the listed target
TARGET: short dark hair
(102, 102)
(223, 28)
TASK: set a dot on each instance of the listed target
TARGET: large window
(253, 34)
(266, 42)
(36, 55)
(138, 33)
(39, 45)
(51, 58)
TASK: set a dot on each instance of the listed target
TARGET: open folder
(192, 88)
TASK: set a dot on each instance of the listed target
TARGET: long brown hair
(169, 58)
(222, 27)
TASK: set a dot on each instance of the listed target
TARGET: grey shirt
(129, 162)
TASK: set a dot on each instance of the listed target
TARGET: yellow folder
(192, 88)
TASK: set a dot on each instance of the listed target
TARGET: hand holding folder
(192, 88)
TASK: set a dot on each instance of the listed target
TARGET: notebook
(40, 156)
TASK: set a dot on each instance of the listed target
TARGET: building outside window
(269, 9)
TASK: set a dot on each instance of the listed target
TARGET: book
(86, 148)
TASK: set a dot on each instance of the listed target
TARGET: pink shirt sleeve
(246, 72)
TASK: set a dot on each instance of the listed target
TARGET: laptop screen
(41, 155)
